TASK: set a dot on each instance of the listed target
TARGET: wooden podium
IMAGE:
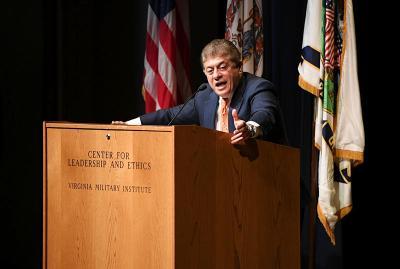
(117, 196)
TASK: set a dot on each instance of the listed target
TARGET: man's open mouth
(220, 83)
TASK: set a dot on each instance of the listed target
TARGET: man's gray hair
(221, 48)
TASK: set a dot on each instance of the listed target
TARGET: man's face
(222, 75)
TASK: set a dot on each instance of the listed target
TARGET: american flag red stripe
(330, 36)
(151, 53)
(166, 76)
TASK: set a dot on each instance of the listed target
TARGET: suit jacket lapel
(236, 102)
(210, 111)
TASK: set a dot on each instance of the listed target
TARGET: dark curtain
(82, 61)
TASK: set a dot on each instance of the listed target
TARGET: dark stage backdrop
(82, 61)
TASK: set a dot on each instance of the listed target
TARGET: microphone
(200, 88)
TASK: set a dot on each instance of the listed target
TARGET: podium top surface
(152, 128)
(97, 126)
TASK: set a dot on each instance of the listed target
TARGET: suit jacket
(254, 99)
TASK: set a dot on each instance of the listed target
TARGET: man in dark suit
(232, 101)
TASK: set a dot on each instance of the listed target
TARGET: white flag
(333, 79)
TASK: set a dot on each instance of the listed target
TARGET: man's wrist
(252, 129)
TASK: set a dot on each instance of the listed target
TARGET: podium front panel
(109, 198)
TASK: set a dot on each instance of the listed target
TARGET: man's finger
(236, 139)
(235, 136)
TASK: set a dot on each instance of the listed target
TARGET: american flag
(166, 65)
